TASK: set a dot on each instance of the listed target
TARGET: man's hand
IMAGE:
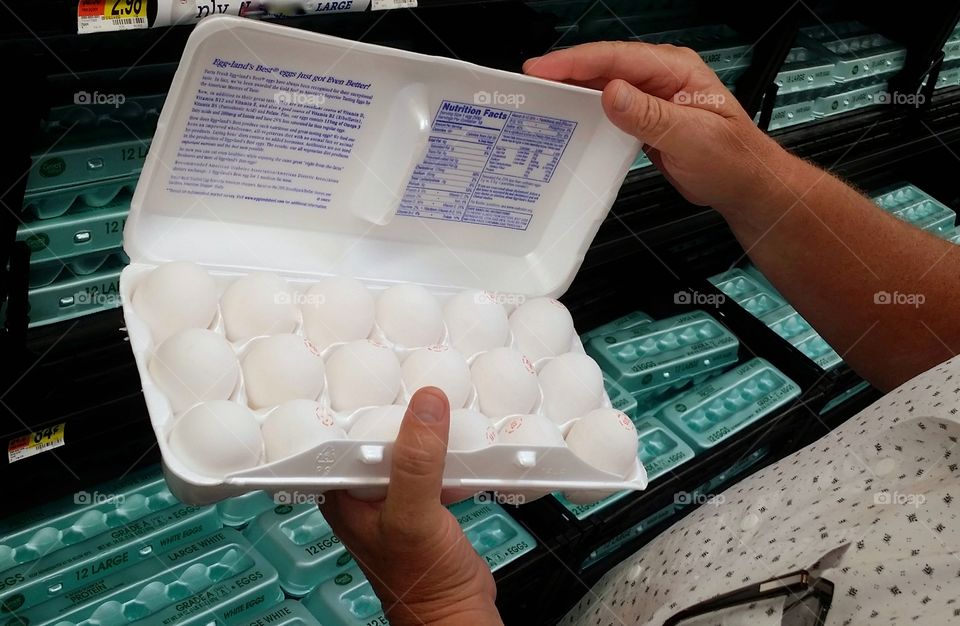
(411, 548)
(693, 129)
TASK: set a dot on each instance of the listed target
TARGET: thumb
(648, 118)
(416, 473)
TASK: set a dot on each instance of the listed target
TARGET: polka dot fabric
(871, 506)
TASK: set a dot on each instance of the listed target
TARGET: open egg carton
(281, 327)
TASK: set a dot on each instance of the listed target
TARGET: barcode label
(381, 5)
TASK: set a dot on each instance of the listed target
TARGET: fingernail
(623, 99)
(430, 405)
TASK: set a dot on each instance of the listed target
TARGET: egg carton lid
(308, 155)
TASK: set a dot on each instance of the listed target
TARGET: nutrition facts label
(485, 165)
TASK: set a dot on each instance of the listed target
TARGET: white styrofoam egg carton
(530, 470)
(308, 156)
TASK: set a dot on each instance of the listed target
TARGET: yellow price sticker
(109, 15)
(34, 443)
(120, 9)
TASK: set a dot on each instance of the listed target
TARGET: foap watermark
(907, 299)
(699, 299)
(97, 298)
(299, 298)
(86, 97)
(295, 97)
(684, 498)
(95, 497)
(496, 297)
(699, 98)
(914, 100)
(298, 497)
(486, 497)
(915, 500)
(496, 98)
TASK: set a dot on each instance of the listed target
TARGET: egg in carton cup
(324, 226)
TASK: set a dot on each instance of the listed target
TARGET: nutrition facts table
(485, 165)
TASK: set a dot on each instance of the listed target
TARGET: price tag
(97, 16)
(34, 443)
(380, 5)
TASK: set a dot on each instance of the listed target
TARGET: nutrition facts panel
(485, 165)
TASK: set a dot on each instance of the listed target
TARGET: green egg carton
(77, 295)
(300, 544)
(630, 320)
(716, 410)
(641, 161)
(951, 49)
(620, 398)
(790, 325)
(90, 111)
(927, 215)
(626, 536)
(851, 96)
(346, 600)
(857, 51)
(57, 201)
(816, 348)
(898, 196)
(219, 579)
(287, 613)
(85, 230)
(238, 511)
(660, 451)
(664, 356)
(496, 536)
(68, 552)
(804, 69)
(747, 291)
(48, 272)
(791, 112)
(116, 153)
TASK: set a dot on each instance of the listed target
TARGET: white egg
(362, 373)
(217, 438)
(409, 316)
(193, 366)
(542, 327)
(281, 368)
(506, 383)
(605, 439)
(297, 426)
(381, 423)
(476, 322)
(258, 304)
(572, 386)
(336, 310)
(175, 296)
(470, 430)
(530, 430)
(438, 366)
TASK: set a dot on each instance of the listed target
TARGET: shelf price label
(34, 443)
(95, 16)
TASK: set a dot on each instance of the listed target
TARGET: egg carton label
(486, 165)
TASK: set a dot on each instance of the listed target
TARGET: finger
(650, 119)
(660, 70)
(416, 474)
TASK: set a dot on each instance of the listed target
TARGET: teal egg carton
(951, 49)
(77, 295)
(790, 325)
(748, 292)
(87, 114)
(239, 511)
(851, 96)
(790, 111)
(660, 451)
(48, 272)
(803, 69)
(857, 51)
(664, 356)
(69, 551)
(949, 75)
(287, 613)
(220, 579)
(630, 320)
(57, 201)
(86, 230)
(496, 536)
(899, 196)
(927, 215)
(114, 154)
(346, 600)
(641, 161)
(620, 398)
(716, 410)
(300, 544)
(720, 47)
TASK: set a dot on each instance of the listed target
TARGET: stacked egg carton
(76, 201)
(834, 68)
(292, 370)
(949, 75)
(754, 293)
(688, 399)
(914, 206)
